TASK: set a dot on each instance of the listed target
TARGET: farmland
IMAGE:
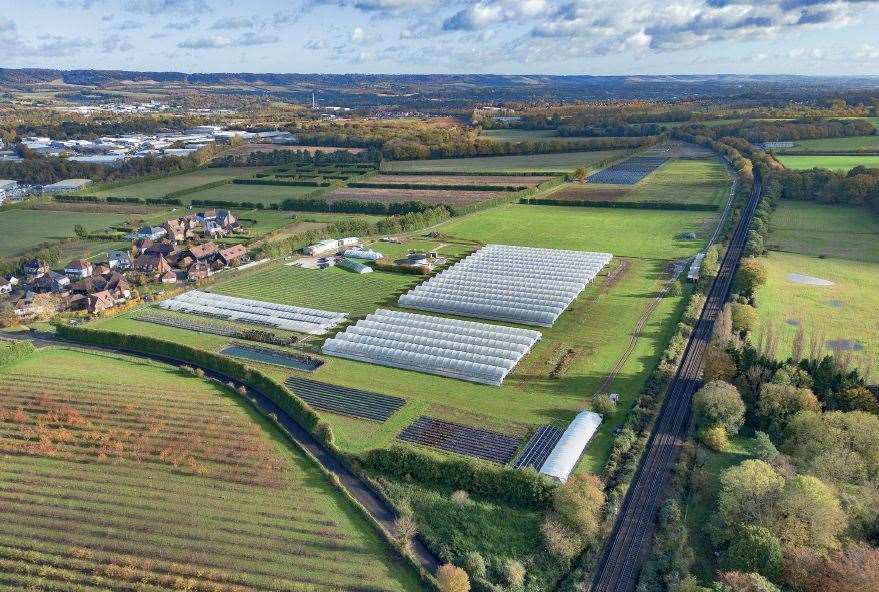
(849, 144)
(548, 163)
(169, 482)
(519, 135)
(22, 229)
(393, 195)
(680, 181)
(510, 180)
(835, 243)
(165, 185)
(833, 162)
(265, 194)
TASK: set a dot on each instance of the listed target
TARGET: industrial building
(66, 185)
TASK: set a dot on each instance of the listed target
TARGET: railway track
(629, 542)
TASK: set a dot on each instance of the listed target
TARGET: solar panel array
(344, 400)
(451, 437)
(269, 314)
(539, 447)
(518, 284)
(628, 171)
(477, 352)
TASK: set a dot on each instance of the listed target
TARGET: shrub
(474, 564)
(561, 540)
(763, 447)
(755, 549)
(715, 438)
(579, 502)
(514, 573)
(452, 579)
(604, 405)
(461, 498)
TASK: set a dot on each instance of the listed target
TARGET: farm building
(66, 185)
(355, 266)
(324, 247)
(566, 454)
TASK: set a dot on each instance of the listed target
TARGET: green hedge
(632, 205)
(479, 478)
(298, 409)
(472, 173)
(459, 187)
(75, 198)
(220, 203)
(197, 188)
(463, 209)
(281, 182)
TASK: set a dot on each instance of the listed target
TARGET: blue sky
(450, 36)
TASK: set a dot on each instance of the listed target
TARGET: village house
(169, 277)
(120, 260)
(112, 282)
(50, 282)
(148, 264)
(7, 284)
(141, 245)
(231, 256)
(203, 253)
(78, 269)
(151, 232)
(34, 268)
(100, 301)
(198, 271)
(218, 222)
(163, 248)
(181, 229)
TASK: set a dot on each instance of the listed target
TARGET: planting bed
(452, 437)
(345, 401)
(538, 448)
(629, 171)
(426, 196)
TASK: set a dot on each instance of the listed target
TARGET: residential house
(198, 271)
(7, 284)
(205, 252)
(151, 264)
(100, 301)
(169, 277)
(120, 260)
(181, 229)
(234, 255)
(34, 268)
(50, 282)
(78, 269)
(151, 232)
(142, 244)
(163, 248)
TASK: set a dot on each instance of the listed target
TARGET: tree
(752, 275)
(744, 317)
(736, 581)
(763, 447)
(79, 231)
(809, 514)
(604, 405)
(474, 564)
(719, 403)
(581, 174)
(719, 365)
(8, 318)
(452, 579)
(514, 573)
(857, 398)
(562, 540)
(578, 503)
(778, 403)
(755, 549)
(715, 438)
(855, 568)
(749, 493)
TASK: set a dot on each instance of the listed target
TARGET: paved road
(383, 512)
(629, 542)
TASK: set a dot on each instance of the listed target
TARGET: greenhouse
(466, 350)
(518, 284)
(564, 457)
(270, 314)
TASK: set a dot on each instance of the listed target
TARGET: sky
(599, 37)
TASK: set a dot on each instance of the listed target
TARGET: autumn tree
(719, 403)
(809, 514)
(452, 579)
(736, 581)
(749, 494)
(752, 274)
(778, 403)
(755, 549)
(579, 502)
(719, 365)
(744, 317)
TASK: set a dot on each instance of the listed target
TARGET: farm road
(374, 504)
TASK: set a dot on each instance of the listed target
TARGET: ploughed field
(389, 196)
(505, 180)
(565, 162)
(119, 474)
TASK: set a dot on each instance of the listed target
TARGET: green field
(333, 289)
(852, 144)
(266, 194)
(23, 229)
(834, 162)
(552, 163)
(835, 243)
(165, 185)
(121, 474)
(519, 135)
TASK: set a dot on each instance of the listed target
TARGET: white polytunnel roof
(518, 284)
(567, 452)
(477, 352)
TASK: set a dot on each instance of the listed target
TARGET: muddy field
(587, 193)
(511, 181)
(427, 196)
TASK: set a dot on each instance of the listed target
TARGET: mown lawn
(852, 144)
(165, 185)
(266, 194)
(520, 135)
(839, 231)
(22, 229)
(837, 163)
(555, 163)
(150, 476)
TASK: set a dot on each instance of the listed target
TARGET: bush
(452, 579)
(514, 573)
(561, 540)
(474, 564)
(579, 503)
(719, 403)
(755, 549)
(604, 405)
(715, 438)
(461, 498)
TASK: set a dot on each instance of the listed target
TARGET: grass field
(507, 180)
(331, 289)
(853, 144)
(165, 185)
(697, 181)
(835, 243)
(519, 135)
(267, 194)
(22, 229)
(120, 474)
(551, 163)
(399, 195)
(837, 163)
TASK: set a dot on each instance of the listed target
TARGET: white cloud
(220, 41)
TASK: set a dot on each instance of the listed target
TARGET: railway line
(629, 542)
